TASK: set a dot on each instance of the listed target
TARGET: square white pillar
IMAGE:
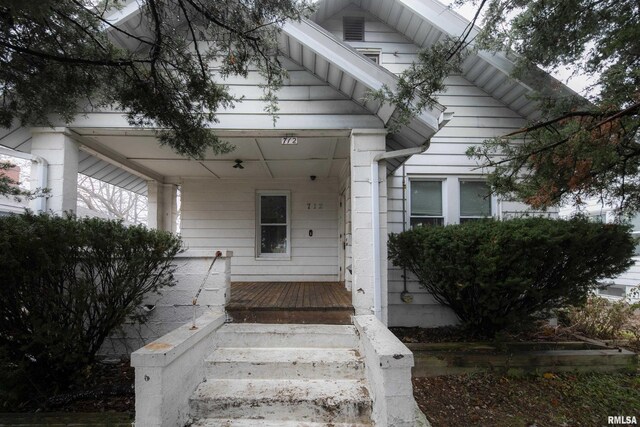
(60, 153)
(162, 206)
(365, 145)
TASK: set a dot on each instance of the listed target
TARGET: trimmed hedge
(500, 274)
(66, 284)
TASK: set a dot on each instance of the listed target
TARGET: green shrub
(66, 284)
(500, 274)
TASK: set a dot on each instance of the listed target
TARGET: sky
(578, 83)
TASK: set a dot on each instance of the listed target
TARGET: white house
(626, 285)
(314, 199)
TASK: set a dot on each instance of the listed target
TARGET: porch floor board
(290, 302)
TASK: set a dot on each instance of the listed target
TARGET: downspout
(405, 296)
(375, 218)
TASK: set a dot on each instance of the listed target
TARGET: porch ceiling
(263, 156)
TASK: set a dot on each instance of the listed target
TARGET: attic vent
(353, 28)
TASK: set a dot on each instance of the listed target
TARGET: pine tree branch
(74, 61)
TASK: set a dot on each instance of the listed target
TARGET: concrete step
(290, 336)
(284, 363)
(339, 401)
(218, 422)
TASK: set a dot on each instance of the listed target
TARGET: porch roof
(90, 163)
(105, 138)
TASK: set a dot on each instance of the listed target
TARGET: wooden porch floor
(290, 302)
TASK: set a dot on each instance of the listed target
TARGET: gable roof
(334, 62)
(89, 163)
(342, 67)
(425, 22)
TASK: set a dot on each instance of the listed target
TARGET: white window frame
(450, 195)
(492, 201)
(374, 55)
(277, 256)
(442, 182)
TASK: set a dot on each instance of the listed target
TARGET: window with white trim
(372, 54)
(273, 224)
(441, 200)
(426, 203)
(635, 232)
(475, 200)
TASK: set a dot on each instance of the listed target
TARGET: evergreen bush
(66, 284)
(500, 274)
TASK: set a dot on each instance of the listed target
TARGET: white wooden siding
(477, 116)
(305, 102)
(220, 214)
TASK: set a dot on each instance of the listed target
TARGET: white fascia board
(100, 151)
(439, 16)
(6, 151)
(350, 62)
(450, 22)
(338, 54)
(121, 16)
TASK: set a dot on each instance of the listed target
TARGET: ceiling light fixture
(238, 164)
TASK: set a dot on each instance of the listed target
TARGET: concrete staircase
(283, 375)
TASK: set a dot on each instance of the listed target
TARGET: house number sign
(290, 140)
(314, 206)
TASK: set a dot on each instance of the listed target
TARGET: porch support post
(162, 211)
(365, 145)
(55, 166)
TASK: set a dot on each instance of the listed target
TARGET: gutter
(375, 218)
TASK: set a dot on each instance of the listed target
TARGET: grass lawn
(548, 400)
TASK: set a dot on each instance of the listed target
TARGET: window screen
(426, 203)
(475, 200)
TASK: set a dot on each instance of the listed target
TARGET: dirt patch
(543, 333)
(108, 387)
(547, 400)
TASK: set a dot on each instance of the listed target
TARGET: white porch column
(162, 208)
(365, 145)
(60, 153)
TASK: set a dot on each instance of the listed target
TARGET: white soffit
(333, 61)
(19, 138)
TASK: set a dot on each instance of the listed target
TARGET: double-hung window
(475, 200)
(273, 224)
(426, 203)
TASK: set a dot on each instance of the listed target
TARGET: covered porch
(326, 303)
(299, 200)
